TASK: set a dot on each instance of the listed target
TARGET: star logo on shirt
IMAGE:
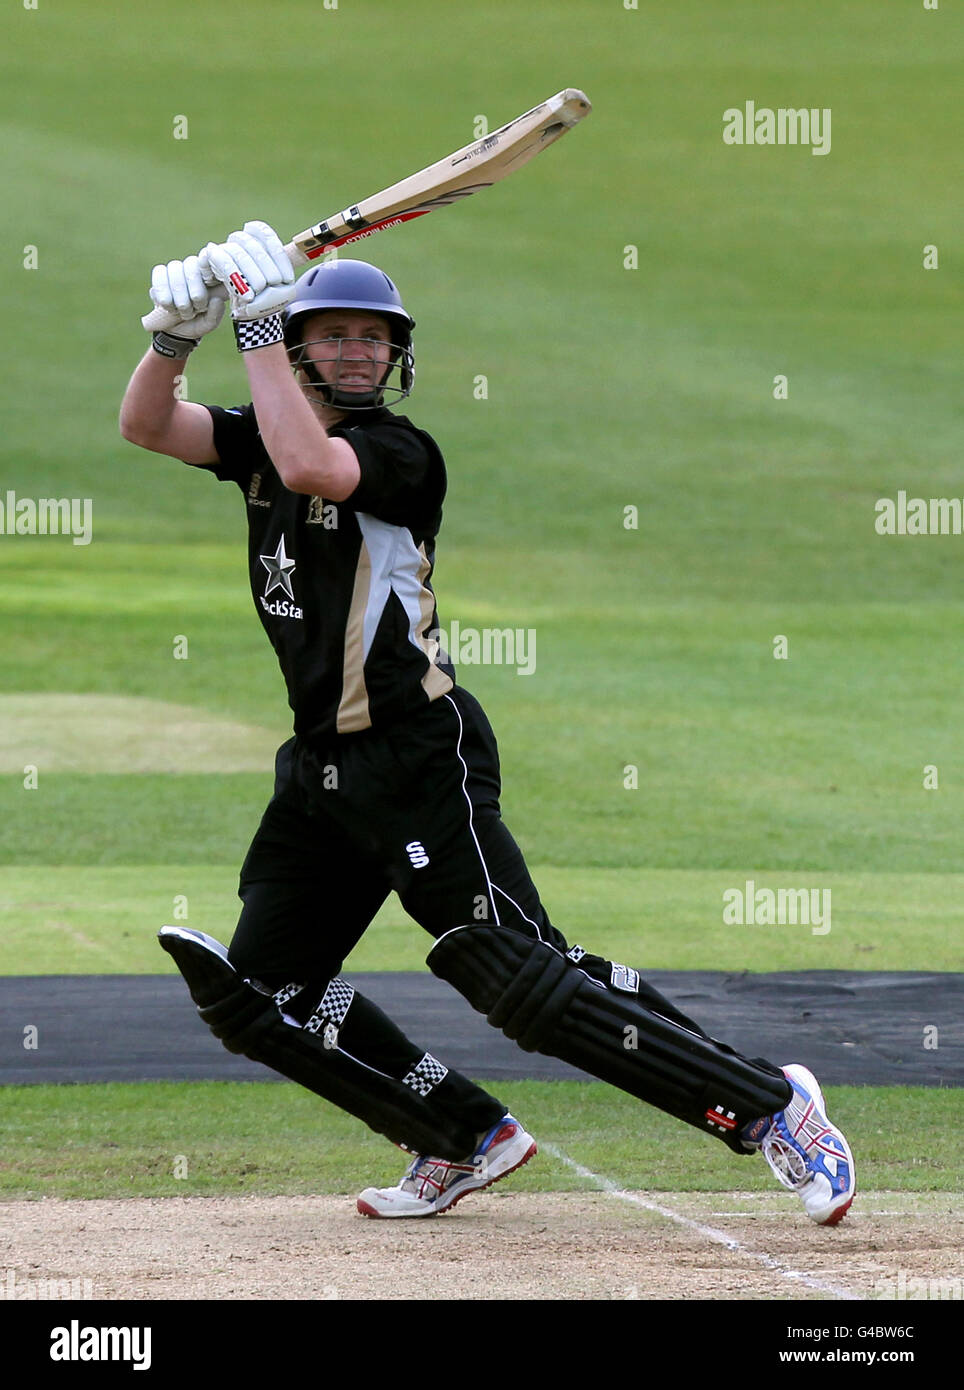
(279, 568)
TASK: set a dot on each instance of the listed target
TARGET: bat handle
(160, 321)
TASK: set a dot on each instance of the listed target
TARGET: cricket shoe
(808, 1154)
(432, 1185)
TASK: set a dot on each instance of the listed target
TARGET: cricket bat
(458, 175)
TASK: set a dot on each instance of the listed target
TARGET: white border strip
(719, 1237)
(468, 802)
(518, 909)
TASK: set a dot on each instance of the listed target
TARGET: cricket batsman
(391, 780)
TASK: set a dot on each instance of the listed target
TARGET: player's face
(350, 350)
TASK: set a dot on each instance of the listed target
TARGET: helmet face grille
(360, 374)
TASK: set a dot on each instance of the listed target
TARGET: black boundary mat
(849, 1027)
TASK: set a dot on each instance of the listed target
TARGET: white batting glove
(190, 293)
(254, 268)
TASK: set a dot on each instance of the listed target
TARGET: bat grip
(160, 321)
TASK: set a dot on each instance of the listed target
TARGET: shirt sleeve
(402, 475)
(238, 444)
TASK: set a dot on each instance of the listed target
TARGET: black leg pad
(249, 1022)
(543, 1001)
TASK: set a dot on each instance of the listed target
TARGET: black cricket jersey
(343, 590)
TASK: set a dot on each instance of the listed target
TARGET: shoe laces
(795, 1139)
(788, 1163)
(435, 1174)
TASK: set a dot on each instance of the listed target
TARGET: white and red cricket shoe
(808, 1154)
(433, 1185)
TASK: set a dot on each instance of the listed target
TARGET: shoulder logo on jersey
(253, 499)
(280, 570)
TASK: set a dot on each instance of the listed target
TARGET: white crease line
(852, 1216)
(614, 1190)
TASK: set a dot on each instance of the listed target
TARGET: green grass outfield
(103, 920)
(202, 1139)
(607, 388)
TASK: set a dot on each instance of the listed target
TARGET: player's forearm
(306, 459)
(149, 402)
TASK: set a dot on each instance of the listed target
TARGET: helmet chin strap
(355, 400)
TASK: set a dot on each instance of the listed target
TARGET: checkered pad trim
(575, 953)
(258, 333)
(287, 992)
(426, 1075)
(334, 1005)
